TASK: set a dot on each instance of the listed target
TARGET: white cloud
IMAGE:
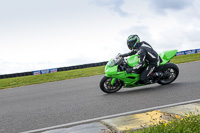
(167, 24)
(63, 33)
(113, 5)
(175, 5)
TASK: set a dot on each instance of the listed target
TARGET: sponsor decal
(45, 71)
(194, 51)
(53, 70)
(180, 53)
(190, 52)
(36, 73)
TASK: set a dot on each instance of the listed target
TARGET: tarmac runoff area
(132, 122)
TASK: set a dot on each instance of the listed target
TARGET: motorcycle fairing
(166, 56)
(131, 78)
(128, 78)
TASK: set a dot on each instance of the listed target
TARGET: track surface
(49, 104)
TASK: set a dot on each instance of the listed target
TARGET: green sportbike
(116, 76)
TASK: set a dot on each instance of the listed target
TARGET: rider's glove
(121, 55)
(129, 70)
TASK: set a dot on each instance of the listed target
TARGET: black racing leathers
(129, 53)
(147, 55)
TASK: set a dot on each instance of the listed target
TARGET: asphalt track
(49, 104)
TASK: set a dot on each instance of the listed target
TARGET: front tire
(170, 71)
(106, 86)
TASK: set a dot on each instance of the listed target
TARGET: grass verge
(188, 124)
(43, 78)
(186, 58)
(79, 73)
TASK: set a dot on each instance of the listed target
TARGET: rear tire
(106, 86)
(171, 72)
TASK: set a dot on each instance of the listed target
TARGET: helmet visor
(131, 45)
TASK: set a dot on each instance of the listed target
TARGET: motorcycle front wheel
(106, 86)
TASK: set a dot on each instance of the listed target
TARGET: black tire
(171, 70)
(106, 86)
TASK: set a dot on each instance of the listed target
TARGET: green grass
(186, 58)
(79, 73)
(43, 78)
(188, 124)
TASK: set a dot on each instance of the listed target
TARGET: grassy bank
(188, 124)
(79, 73)
(43, 78)
(186, 58)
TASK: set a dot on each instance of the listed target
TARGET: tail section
(167, 56)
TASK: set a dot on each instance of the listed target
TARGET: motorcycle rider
(146, 54)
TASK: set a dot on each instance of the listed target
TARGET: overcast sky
(42, 34)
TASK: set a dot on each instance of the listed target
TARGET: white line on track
(110, 116)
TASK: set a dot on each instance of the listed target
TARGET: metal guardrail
(52, 70)
(193, 51)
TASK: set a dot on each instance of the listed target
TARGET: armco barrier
(52, 70)
(193, 51)
(15, 75)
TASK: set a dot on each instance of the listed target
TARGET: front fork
(113, 81)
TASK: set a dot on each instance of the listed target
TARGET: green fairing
(133, 60)
(131, 79)
(112, 72)
(167, 56)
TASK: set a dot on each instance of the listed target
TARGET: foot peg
(158, 74)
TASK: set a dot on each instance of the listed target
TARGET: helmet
(132, 41)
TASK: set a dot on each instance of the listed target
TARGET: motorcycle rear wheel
(106, 86)
(172, 72)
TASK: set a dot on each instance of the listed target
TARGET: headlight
(111, 63)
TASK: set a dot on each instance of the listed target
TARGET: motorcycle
(116, 76)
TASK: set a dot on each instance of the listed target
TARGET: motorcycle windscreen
(133, 60)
